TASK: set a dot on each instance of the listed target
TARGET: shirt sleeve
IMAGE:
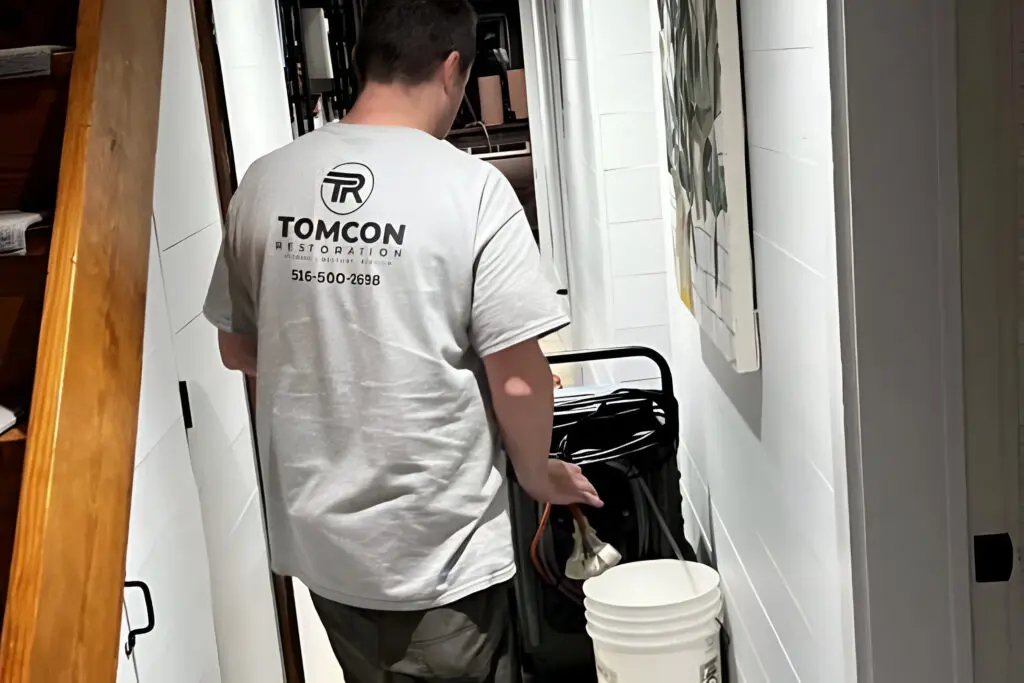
(514, 299)
(230, 305)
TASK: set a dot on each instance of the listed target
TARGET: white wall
(612, 159)
(762, 454)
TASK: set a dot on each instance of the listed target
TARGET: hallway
(763, 451)
(811, 209)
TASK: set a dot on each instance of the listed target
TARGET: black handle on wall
(994, 557)
(134, 633)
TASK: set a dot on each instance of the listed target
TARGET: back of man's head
(406, 41)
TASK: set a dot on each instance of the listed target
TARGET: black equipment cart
(626, 440)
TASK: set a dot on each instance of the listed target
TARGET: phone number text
(330, 278)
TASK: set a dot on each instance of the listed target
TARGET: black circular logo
(346, 187)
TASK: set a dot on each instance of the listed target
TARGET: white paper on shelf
(8, 419)
(13, 225)
(22, 62)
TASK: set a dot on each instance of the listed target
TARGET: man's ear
(452, 69)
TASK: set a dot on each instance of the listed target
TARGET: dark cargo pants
(469, 641)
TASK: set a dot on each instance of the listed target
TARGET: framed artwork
(707, 159)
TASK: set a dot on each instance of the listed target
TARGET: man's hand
(564, 484)
(523, 394)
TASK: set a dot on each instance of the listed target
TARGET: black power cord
(624, 424)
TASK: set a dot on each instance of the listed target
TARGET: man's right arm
(514, 304)
(522, 395)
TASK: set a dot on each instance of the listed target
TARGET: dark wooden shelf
(62, 63)
(32, 114)
(37, 241)
(22, 286)
(24, 23)
(13, 438)
(513, 132)
(12, 457)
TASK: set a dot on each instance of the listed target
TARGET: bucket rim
(641, 615)
(674, 623)
(648, 645)
(597, 589)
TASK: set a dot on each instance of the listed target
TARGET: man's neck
(394, 105)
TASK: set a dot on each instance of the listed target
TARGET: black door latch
(186, 404)
(993, 558)
(133, 634)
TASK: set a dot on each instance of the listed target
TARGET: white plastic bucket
(654, 590)
(697, 609)
(655, 622)
(684, 661)
(652, 640)
(650, 627)
(651, 643)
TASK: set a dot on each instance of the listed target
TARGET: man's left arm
(237, 352)
(230, 308)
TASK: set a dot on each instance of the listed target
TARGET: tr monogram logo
(346, 188)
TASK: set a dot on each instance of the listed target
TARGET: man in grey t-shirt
(385, 291)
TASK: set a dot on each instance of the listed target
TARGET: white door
(992, 226)
(218, 445)
(167, 551)
(166, 544)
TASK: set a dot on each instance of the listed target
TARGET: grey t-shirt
(376, 267)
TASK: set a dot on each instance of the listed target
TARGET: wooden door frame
(227, 182)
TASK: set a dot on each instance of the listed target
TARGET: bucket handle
(668, 532)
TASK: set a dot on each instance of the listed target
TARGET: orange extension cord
(535, 545)
(545, 518)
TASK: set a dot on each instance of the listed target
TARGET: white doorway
(544, 88)
(522, 141)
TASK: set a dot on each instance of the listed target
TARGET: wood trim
(288, 627)
(227, 182)
(63, 614)
(216, 102)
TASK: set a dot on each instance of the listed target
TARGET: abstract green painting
(707, 159)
